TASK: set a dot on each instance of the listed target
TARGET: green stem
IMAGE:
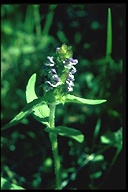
(54, 143)
(37, 21)
(109, 36)
(49, 20)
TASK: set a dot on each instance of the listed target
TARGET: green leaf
(5, 184)
(98, 158)
(41, 111)
(112, 138)
(109, 34)
(96, 166)
(30, 107)
(96, 175)
(30, 89)
(67, 132)
(73, 99)
(97, 129)
(35, 105)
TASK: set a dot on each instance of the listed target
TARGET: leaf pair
(38, 106)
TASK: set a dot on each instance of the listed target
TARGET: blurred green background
(30, 33)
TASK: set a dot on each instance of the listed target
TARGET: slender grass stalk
(29, 23)
(54, 143)
(49, 19)
(37, 21)
(111, 165)
(108, 53)
(115, 157)
(109, 35)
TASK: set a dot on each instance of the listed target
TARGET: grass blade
(109, 34)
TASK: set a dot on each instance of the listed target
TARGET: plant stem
(49, 20)
(37, 21)
(54, 143)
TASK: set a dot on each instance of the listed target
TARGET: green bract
(64, 52)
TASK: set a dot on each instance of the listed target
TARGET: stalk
(54, 144)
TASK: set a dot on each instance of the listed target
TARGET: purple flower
(50, 59)
(73, 70)
(50, 85)
(47, 87)
(73, 61)
(52, 75)
(55, 78)
(69, 83)
(69, 89)
(68, 63)
(60, 70)
(51, 62)
(53, 71)
(53, 83)
(71, 77)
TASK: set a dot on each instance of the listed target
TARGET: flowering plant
(58, 81)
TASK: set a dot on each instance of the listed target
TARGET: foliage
(31, 32)
(7, 185)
